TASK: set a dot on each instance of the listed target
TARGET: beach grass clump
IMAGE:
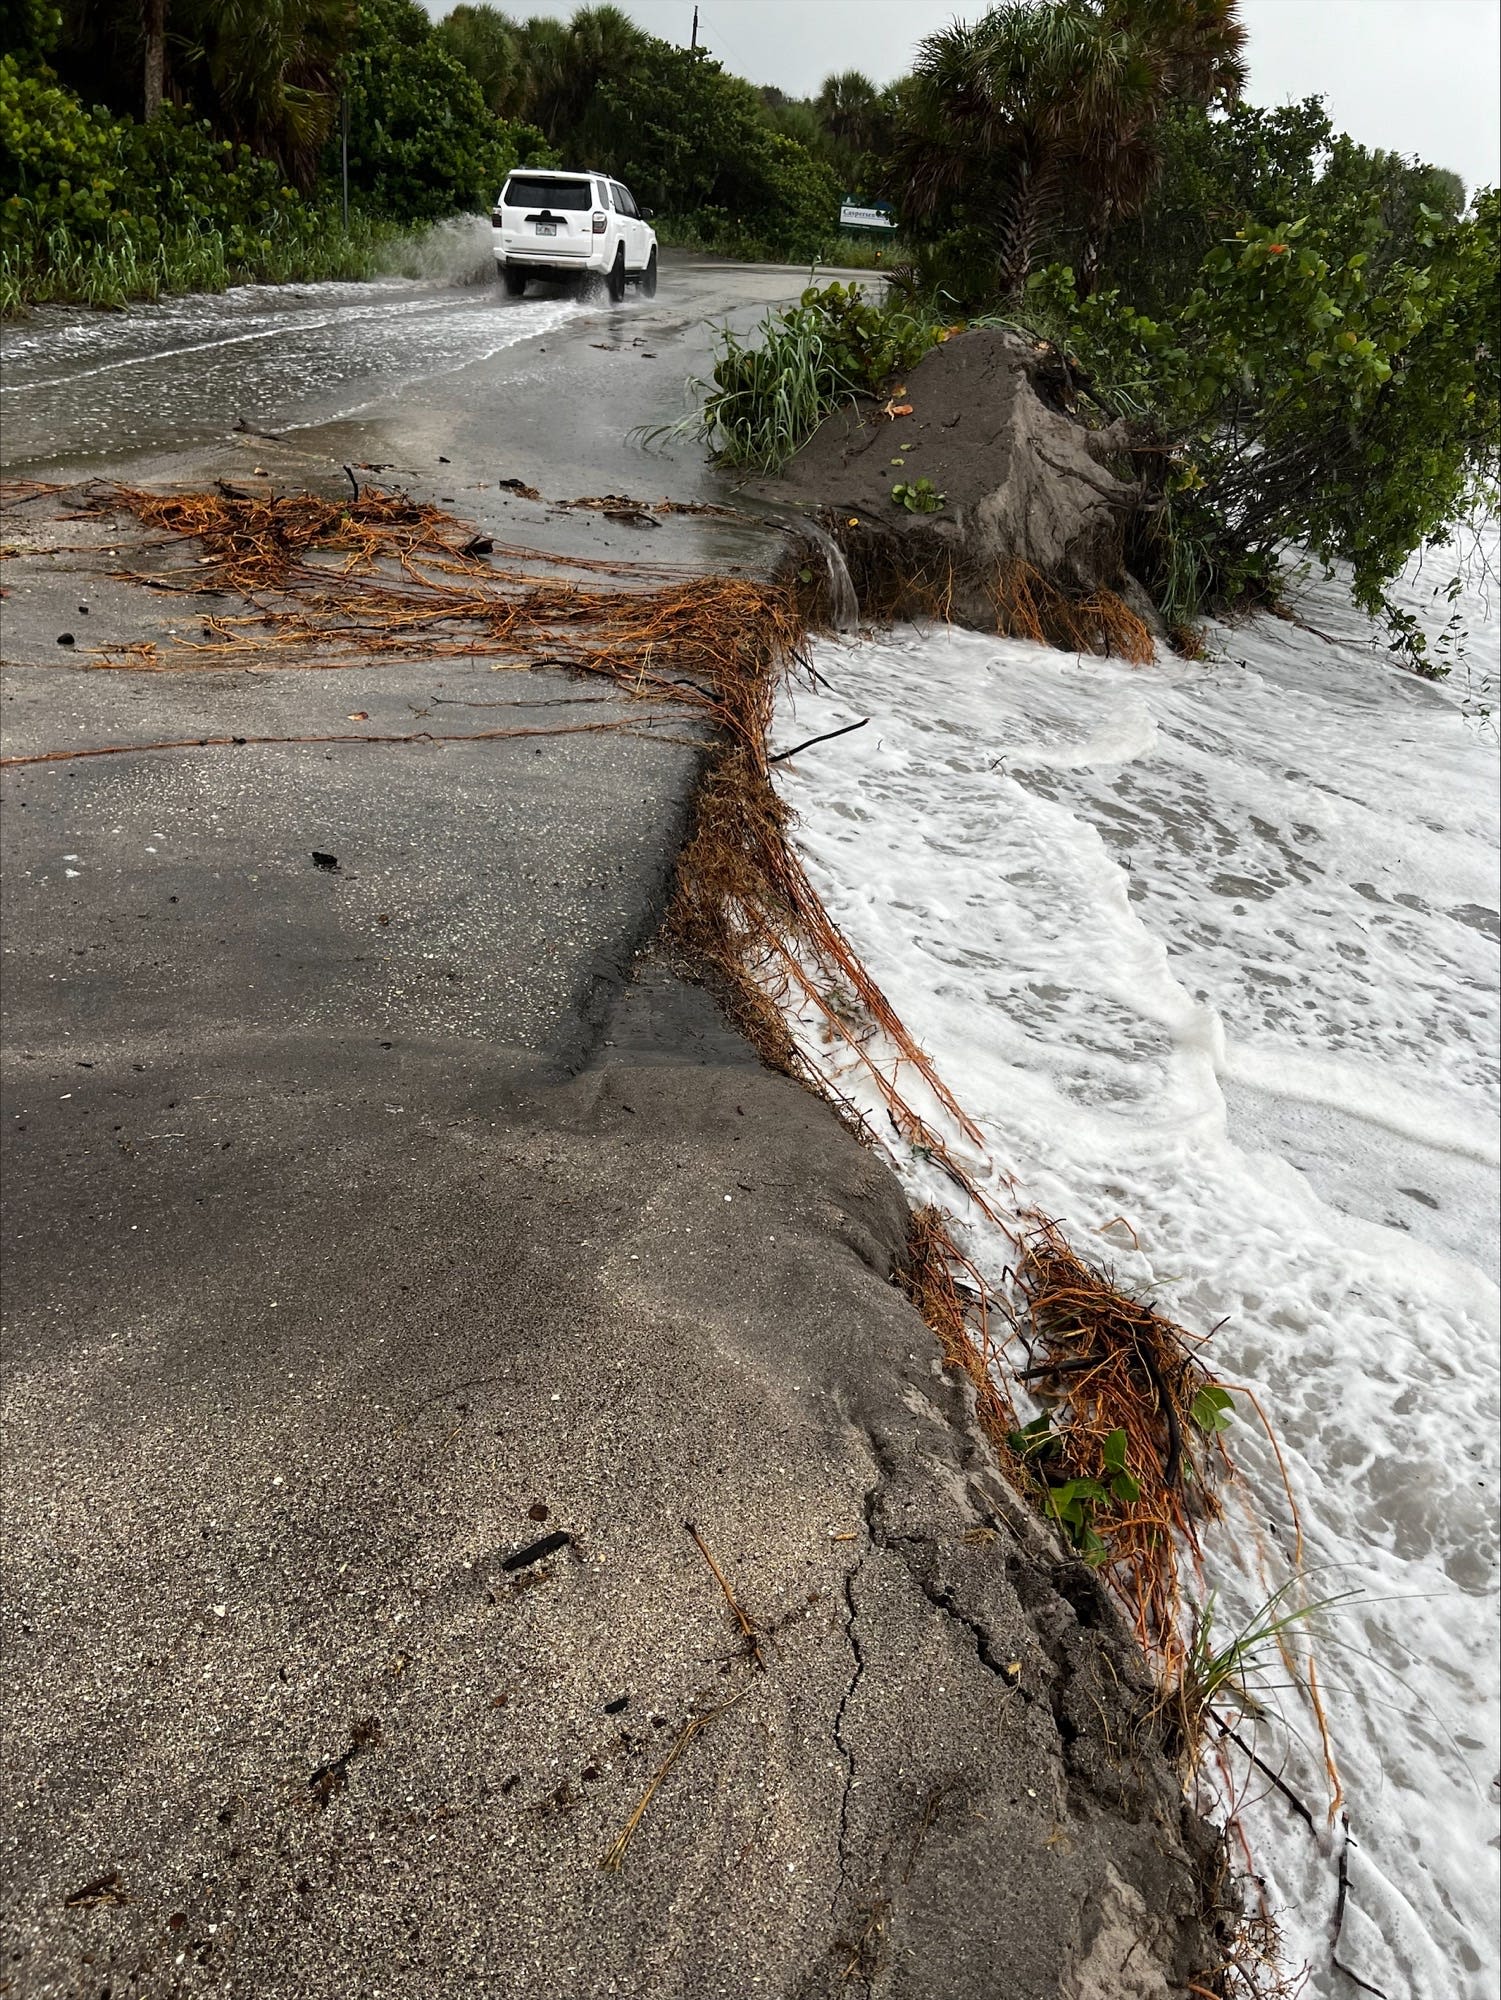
(766, 396)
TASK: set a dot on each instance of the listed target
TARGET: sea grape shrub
(1258, 164)
(422, 141)
(1311, 394)
(30, 28)
(57, 163)
(88, 174)
(867, 343)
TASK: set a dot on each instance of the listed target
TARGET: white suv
(547, 224)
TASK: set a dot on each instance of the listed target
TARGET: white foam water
(1212, 948)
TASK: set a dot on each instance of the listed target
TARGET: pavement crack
(846, 1751)
(942, 1598)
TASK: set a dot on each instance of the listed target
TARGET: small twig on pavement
(747, 1626)
(930, 1813)
(614, 1854)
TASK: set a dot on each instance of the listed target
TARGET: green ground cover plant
(918, 496)
(1298, 338)
(240, 180)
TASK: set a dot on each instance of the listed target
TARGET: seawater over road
(1208, 951)
(548, 388)
(159, 377)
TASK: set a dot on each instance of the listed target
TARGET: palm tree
(604, 43)
(1007, 107)
(562, 65)
(489, 47)
(1047, 99)
(1197, 46)
(267, 70)
(154, 41)
(603, 37)
(846, 105)
(1194, 51)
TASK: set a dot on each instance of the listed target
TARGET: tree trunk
(1093, 252)
(154, 33)
(1022, 221)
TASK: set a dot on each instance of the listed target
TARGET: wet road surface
(445, 388)
(515, 879)
(362, 1217)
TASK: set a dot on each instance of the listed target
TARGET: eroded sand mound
(1033, 527)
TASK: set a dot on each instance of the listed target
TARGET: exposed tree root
(900, 575)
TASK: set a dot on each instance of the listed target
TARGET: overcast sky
(1416, 76)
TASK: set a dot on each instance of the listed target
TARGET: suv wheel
(649, 277)
(615, 283)
(515, 282)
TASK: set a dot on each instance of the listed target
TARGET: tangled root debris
(378, 577)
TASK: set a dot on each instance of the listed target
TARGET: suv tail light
(497, 219)
(601, 222)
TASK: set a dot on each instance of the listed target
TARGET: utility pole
(344, 150)
(693, 45)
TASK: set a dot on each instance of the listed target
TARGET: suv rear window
(541, 191)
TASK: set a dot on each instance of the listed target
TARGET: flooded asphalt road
(446, 388)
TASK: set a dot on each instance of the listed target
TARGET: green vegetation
(1220, 1671)
(725, 167)
(1211, 1409)
(113, 267)
(1035, 112)
(768, 396)
(422, 142)
(917, 496)
(1242, 163)
(1298, 338)
(235, 177)
(150, 145)
(104, 210)
(1075, 1503)
(1303, 335)
(1308, 390)
(715, 237)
